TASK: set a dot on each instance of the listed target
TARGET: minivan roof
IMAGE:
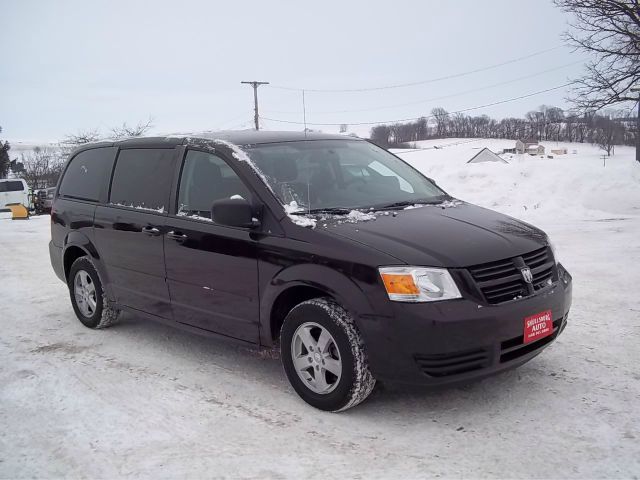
(252, 137)
(237, 137)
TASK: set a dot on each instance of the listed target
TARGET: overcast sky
(72, 65)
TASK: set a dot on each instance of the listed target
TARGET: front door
(212, 270)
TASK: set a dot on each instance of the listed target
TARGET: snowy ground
(144, 400)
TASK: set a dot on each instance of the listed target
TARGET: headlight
(418, 284)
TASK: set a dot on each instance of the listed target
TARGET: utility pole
(304, 115)
(255, 86)
(636, 88)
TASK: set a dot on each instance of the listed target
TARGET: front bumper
(458, 340)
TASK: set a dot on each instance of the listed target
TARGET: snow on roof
(486, 155)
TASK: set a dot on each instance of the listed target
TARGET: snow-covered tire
(355, 382)
(101, 315)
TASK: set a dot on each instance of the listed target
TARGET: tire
(338, 375)
(90, 303)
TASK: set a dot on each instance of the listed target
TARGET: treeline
(544, 124)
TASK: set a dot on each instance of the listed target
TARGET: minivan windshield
(325, 175)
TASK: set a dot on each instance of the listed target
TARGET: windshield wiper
(408, 203)
(336, 210)
(404, 203)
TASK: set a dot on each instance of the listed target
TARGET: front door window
(206, 178)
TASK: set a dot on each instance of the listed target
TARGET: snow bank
(579, 185)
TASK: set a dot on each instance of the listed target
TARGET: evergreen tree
(4, 158)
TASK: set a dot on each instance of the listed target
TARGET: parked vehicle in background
(12, 191)
(356, 264)
(43, 200)
(48, 200)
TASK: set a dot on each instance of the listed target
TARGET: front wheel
(324, 357)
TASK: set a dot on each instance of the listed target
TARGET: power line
(418, 102)
(233, 120)
(424, 116)
(421, 82)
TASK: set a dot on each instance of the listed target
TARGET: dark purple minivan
(356, 264)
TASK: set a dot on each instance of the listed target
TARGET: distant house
(532, 148)
(559, 151)
(486, 155)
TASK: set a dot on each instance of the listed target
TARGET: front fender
(337, 285)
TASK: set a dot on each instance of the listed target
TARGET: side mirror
(233, 212)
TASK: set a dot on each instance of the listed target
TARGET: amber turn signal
(399, 284)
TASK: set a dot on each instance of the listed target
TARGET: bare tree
(380, 135)
(82, 137)
(441, 117)
(42, 167)
(609, 30)
(607, 133)
(422, 128)
(138, 130)
(74, 140)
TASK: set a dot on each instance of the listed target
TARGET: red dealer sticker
(538, 326)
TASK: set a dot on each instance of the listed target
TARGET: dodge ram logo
(526, 274)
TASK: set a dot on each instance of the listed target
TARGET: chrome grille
(502, 280)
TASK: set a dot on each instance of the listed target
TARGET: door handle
(177, 236)
(151, 231)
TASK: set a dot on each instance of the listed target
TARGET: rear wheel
(87, 295)
(324, 357)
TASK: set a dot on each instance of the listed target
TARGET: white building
(532, 148)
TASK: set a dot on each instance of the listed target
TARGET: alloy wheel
(85, 293)
(316, 358)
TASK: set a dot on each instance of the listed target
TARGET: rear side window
(142, 179)
(87, 173)
(206, 178)
(11, 186)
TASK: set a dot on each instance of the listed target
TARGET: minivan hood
(455, 234)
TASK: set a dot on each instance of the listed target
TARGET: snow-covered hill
(19, 147)
(578, 185)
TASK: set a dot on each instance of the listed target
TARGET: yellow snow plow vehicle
(18, 211)
(14, 197)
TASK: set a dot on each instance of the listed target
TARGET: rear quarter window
(87, 173)
(142, 179)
